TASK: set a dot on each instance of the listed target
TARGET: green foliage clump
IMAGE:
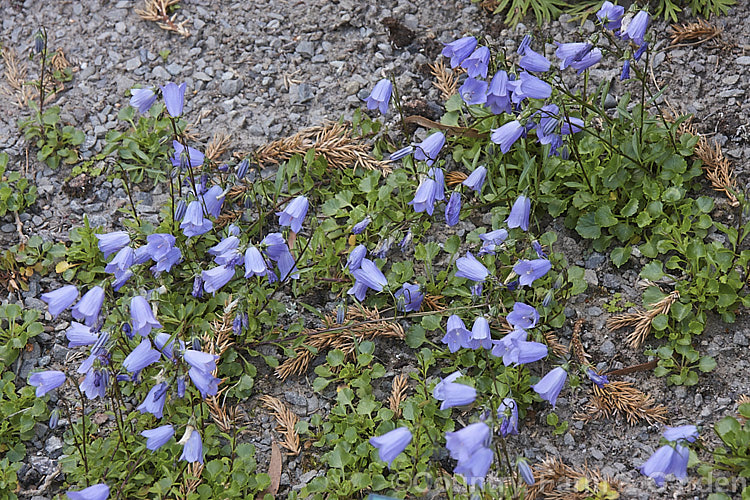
(16, 193)
(56, 144)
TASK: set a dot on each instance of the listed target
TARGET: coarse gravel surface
(266, 69)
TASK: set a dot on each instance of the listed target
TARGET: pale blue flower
(550, 385)
(60, 299)
(380, 96)
(391, 444)
(667, 460)
(294, 214)
(174, 98)
(459, 50)
(158, 437)
(46, 381)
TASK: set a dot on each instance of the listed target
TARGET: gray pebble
(295, 398)
(133, 64)
(231, 88)
(743, 60)
(306, 48)
(607, 348)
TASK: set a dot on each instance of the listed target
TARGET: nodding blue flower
(174, 98)
(203, 361)
(453, 209)
(158, 245)
(192, 450)
(457, 335)
(110, 243)
(60, 299)
(166, 262)
(519, 214)
(154, 402)
(217, 277)
(225, 252)
(585, 59)
(205, 382)
(213, 199)
(428, 149)
(476, 289)
(39, 39)
(463, 443)
(359, 290)
(625, 75)
(507, 413)
(156, 438)
(194, 223)
(162, 342)
(181, 387)
(369, 275)
(401, 153)
(96, 492)
(94, 385)
(529, 86)
(355, 257)
(409, 298)
(242, 169)
(452, 394)
(255, 264)
(567, 52)
(294, 214)
(475, 468)
(687, 433)
(635, 28)
(46, 381)
(520, 351)
(499, 95)
(610, 15)
(142, 99)
(380, 96)
(530, 270)
(287, 266)
(180, 157)
(640, 51)
(599, 380)
(525, 42)
(470, 268)
(87, 309)
(142, 316)
(424, 197)
(523, 316)
(507, 135)
(360, 226)
(437, 174)
(391, 444)
(492, 240)
(550, 385)
(54, 418)
(121, 263)
(475, 180)
(141, 357)
(535, 62)
(473, 91)
(525, 471)
(274, 245)
(666, 460)
(476, 64)
(459, 50)
(480, 334)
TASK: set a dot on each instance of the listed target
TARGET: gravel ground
(262, 70)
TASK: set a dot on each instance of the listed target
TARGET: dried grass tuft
(447, 80)
(217, 146)
(642, 320)
(158, 12)
(559, 349)
(333, 141)
(454, 178)
(620, 398)
(398, 393)
(287, 420)
(217, 342)
(16, 73)
(575, 342)
(433, 303)
(557, 481)
(695, 34)
(360, 324)
(191, 479)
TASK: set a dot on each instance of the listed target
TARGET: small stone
(594, 311)
(76, 207)
(8, 228)
(174, 69)
(569, 440)
(597, 454)
(595, 260)
(658, 59)
(77, 9)
(607, 348)
(53, 444)
(730, 80)
(743, 60)
(589, 275)
(740, 339)
(133, 64)
(121, 27)
(306, 48)
(230, 88)
(610, 102)
(161, 74)
(44, 465)
(295, 398)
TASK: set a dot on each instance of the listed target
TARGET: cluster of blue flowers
(107, 364)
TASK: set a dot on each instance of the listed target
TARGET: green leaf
(707, 364)
(587, 226)
(620, 255)
(652, 271)
(603, 217)
(415, 336)
(660, 322)
(630, 208)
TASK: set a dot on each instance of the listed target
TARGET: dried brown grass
(15, 74)
(398, 393)
(575, 342)
(333, 141)
(217, 146)
(642, 320)
(286, 420)
(557, 481)
(620, 398)
(360, 324)
(447, 80)
(158, 12)
(696, 33)
(217, 341)
(454, 178)
(191, 479)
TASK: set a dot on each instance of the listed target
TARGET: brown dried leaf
(274, 469)
(695, 34)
